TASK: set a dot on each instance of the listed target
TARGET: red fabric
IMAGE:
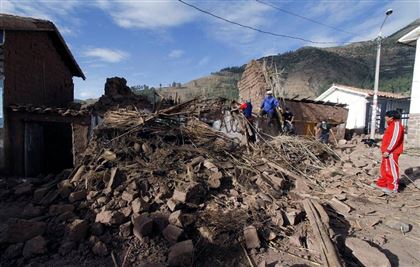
(389, 172)
(393, 139)
(243, 106)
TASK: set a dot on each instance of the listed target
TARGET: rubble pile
(166, 183)
(167, 189)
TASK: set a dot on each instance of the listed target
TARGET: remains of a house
(153, 183)
(257, 80)
(359, 103)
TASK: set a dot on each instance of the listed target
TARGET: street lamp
(375, 89)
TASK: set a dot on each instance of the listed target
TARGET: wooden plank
(339, 206)
(328, 251)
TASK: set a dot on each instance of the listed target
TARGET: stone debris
(142, 226)
(398, 225)
(77, 230)
(110, 217)
(35, 246)
(366, 254)
(100, 249)
(181, 254)
(77, 196)
(251, 237)
(152, 180)
(19, 230)
(172, 233)
(60, 209)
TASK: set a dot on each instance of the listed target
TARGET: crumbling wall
(253, 84)
(80, 141)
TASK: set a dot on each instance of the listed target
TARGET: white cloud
(106, 54)
(177, 53)
(147, 14)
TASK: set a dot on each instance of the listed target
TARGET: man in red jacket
(391, 148)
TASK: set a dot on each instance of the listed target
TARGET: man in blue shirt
(269, 105)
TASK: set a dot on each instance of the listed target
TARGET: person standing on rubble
(324, 128)
(269, 105)
(246, 108)
(391, 149)
(288, 121)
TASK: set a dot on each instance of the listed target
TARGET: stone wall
(413, 136)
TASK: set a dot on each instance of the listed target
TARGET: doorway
(48, 147)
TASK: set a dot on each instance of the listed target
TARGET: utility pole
(375, 88)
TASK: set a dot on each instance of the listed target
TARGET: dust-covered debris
(166, 188)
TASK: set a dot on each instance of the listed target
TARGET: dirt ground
(370, 219)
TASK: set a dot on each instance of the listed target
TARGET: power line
(303, 17)
(256, 29)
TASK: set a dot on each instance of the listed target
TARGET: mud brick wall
(80, 141)
(35, 73)
(253, 85)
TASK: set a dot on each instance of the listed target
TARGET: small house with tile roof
(359, 103)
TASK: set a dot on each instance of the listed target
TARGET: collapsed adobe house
(257, 79)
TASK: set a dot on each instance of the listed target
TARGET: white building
(413, 39)
(359, 104)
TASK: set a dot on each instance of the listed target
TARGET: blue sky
(160, 41)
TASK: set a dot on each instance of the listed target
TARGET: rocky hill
(309, 71)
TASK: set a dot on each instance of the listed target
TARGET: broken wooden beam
(328, 251)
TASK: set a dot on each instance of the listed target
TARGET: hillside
(309, 71)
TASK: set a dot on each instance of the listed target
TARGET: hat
(269, 92)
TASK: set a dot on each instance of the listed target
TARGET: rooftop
(368, 92)
(17, 23)
(411, 37)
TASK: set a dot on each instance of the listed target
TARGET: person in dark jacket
(288, 118)
(246, 108)
(324, 128)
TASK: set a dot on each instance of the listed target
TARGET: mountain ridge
(309, 71)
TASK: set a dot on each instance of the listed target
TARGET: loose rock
(77, 230)
(366, 254)
(181, 254)
(251, 237)
(35, 246)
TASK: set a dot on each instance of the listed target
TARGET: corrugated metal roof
(317, 111)
(17, 23)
